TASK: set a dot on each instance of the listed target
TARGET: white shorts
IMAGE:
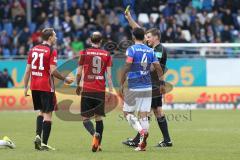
(137, 100)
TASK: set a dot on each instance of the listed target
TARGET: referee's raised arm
(131, 21)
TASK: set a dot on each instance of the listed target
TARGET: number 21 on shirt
(35, 56)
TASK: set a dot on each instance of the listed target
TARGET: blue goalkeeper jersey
(139, 74)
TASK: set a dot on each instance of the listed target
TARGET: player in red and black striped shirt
(41, 67)
(93, 64)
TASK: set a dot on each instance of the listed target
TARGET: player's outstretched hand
(78, 90)
(26, 92)
(109, 94)
(68, 80)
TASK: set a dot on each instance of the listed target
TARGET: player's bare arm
(110, 83)
(131, 21)
(109, 78)
(58, 75)
(26, 79)
(78, 79)
(126, 69)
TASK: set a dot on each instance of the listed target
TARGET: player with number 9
(93, 64)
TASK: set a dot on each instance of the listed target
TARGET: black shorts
(44, 101)
(156, 98)
(92, 103)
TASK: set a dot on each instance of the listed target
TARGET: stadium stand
(180, 21)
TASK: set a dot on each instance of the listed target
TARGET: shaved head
(96, 37)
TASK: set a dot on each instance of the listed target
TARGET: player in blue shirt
(138, 94)
(152, 38)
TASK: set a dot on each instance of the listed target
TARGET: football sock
(144, 123)
(3, 143)
(133, 121)
(47, 125)
(39, 125)
(99, 129)
(136, 139)
(89, 126)
(162, 123)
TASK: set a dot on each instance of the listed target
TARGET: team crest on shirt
(158, 54)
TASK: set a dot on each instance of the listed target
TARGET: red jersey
(95, 62)
(40, 58)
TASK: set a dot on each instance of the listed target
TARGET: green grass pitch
(207, 134)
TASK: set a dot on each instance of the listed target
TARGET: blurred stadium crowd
(180, 21)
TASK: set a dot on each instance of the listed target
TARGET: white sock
(133, 121)
(3, 143)
(144, 123)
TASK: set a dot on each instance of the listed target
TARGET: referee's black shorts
(44, 101)
(92, 103)
(156, 98)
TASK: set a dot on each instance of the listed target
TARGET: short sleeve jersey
(95, 62)
(40, 58)
(139, 75)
